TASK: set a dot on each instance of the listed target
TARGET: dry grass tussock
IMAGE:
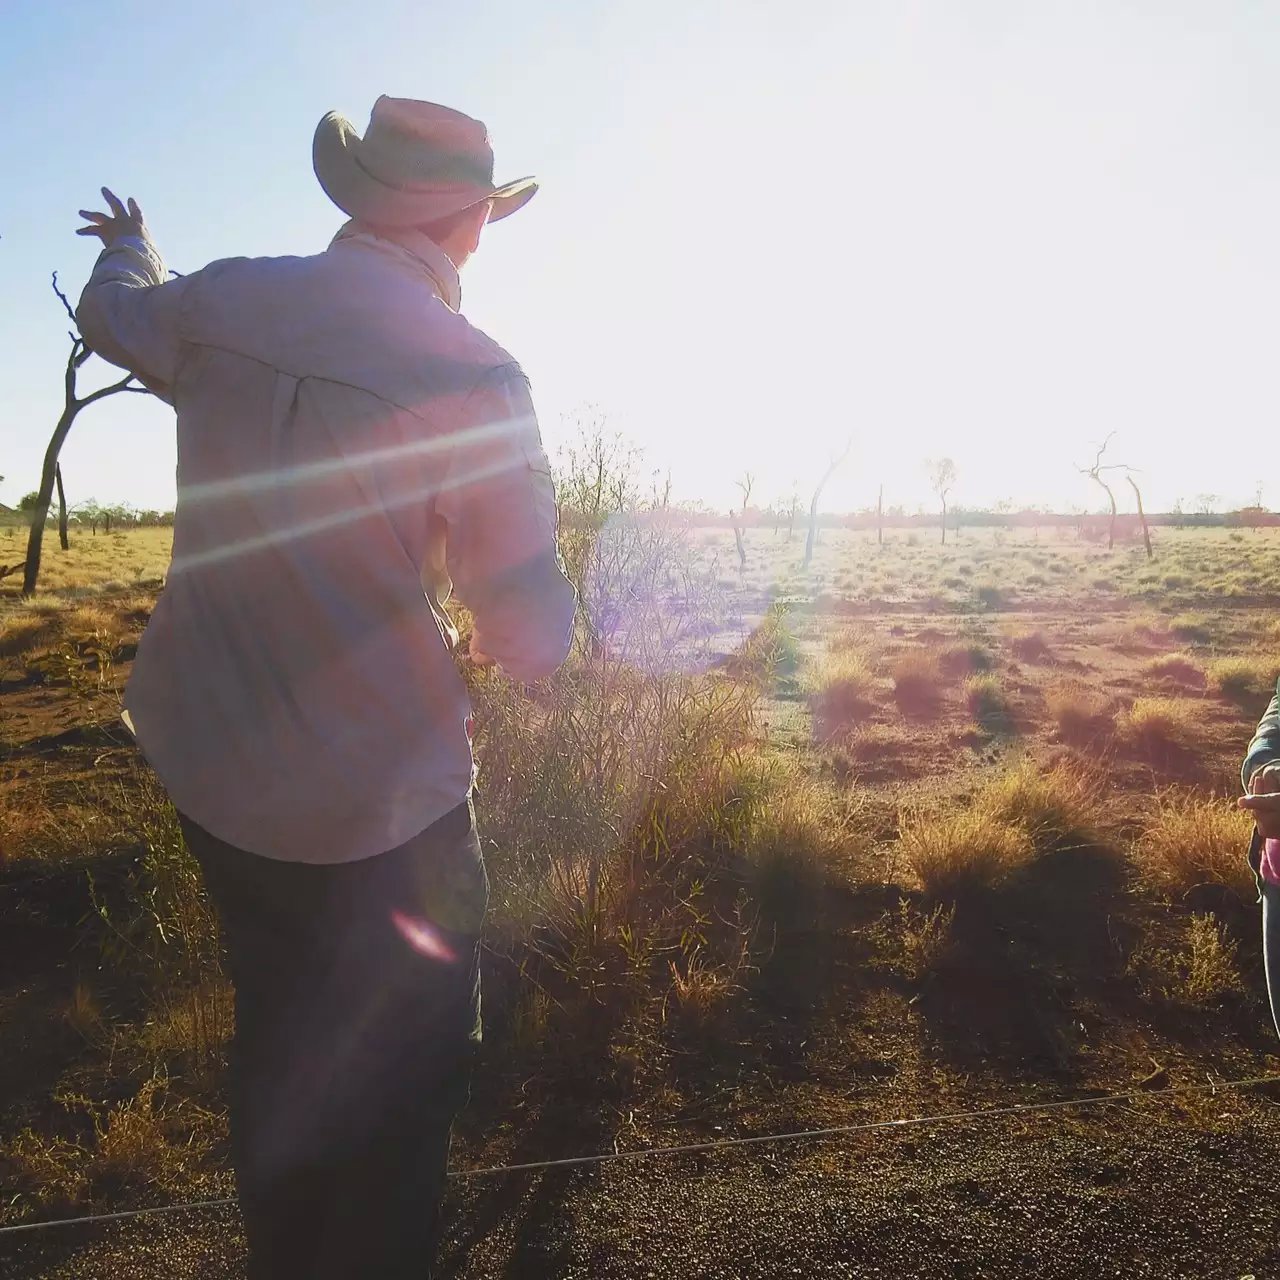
(1245, 676)
(1019, 815)
(1059, 808)
(1175, 668)
(1030, 646)
(917, 679)
(65, 639)
(840, 689)
(1193, 628)
(24, 632)
(956, 855)
(1081, 713)
(965, 657)
(1158, 724)
(1192, 841)
(986, 699)
(1140, 635)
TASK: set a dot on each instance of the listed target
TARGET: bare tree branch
(1095, 474)
(66, 306)
(125, 384)
(51, 474)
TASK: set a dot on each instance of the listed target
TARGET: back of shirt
(343, 437)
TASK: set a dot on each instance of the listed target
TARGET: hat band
(457, 171)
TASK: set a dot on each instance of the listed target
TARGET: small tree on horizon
(746, 483)
(811, 541)
(942, 479)
(1094, 473)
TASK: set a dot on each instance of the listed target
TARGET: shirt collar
(413, 246)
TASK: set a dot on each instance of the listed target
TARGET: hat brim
(335, 152)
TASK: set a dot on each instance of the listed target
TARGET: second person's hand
(1263, 800)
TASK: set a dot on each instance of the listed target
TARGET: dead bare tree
(1142, 515)
(880, 517)
(942, 478)
(746, 484)
(1094, 473)
(793, 505)
(63, 540)
(811, 540)
(72, 405)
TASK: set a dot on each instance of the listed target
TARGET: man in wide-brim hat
(350, 450)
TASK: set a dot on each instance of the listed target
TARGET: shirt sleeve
(1265, 747)
(499, 509)
(130, 312)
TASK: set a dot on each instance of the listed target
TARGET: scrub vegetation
(763, 813)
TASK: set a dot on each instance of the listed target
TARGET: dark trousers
(1271, 946)
(357, 1015)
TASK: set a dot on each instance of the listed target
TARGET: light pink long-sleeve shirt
(349, 448)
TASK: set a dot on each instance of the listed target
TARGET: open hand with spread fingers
(1263, 800)
(110, 227)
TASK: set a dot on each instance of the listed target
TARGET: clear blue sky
(992, 230)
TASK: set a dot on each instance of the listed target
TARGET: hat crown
(417, 162)
(412, 143)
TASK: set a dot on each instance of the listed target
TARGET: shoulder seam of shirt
(338, 382)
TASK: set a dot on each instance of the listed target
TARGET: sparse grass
(926, 939)
(25, 632)
(137, 555)
(146, 1142)
(1141, 635)
(1194, 628)
(158, 930)
(1204, 971)
(1244, 676)
(649, 849)
(699, 989)
(1192, 842)
(1158, 724)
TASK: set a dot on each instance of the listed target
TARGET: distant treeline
(92, 516)
(1087, 523)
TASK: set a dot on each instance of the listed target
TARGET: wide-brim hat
(416, 163)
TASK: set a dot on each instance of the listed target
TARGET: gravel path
(1150, 1191)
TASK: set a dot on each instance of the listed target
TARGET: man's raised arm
(130, 311)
